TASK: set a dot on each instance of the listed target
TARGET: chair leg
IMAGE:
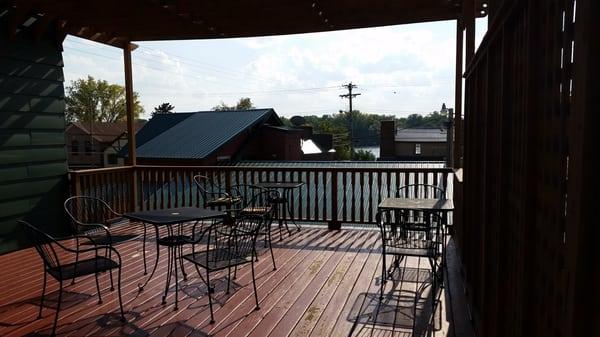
(169, 266)
(57, 309)
(175, 257)
(76, 259)
(210, 290)
(43, 294)
(112, 284)
(119, 293)
(228, 279)
(271, 250)
(98, 288)
(383, 277)
(144, 251)
(254, 285)
(433, 287)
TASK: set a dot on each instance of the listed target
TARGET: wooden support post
(130, 124)
(582, 230)
(468, 20)
(458, 148)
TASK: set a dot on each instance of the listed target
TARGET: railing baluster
(316, 198)
(353, 183)
(362, 197)
(370, 203)
(300, 194)
(324, 179)
(344, 199)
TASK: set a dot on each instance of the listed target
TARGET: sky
(398, 70)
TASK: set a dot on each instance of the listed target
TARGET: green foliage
(363, 155)
(164, 108)
(97, 100)
(243, 104)
(366, 128)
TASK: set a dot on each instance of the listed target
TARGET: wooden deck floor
(326, 284)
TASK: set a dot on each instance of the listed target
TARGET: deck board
(321, 278)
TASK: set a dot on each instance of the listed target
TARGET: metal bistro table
(287, 188)
(173, 220)
(442, 206)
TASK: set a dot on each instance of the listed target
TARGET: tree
(97, 100)
(165, 108)
(363, 155)
(243, 104)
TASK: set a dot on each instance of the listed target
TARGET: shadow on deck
(326, 284)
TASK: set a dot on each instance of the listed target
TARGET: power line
(290, 90)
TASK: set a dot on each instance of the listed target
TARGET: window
(417, 149)
(88, 148)
(112, 159)
(75, 147)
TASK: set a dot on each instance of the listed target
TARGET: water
(373, 149)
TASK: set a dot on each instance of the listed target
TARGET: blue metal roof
(197, 135)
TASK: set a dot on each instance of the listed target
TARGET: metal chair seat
(98, 264)
(225, 201)
(174, 240)
(256, 210)
(217, 259)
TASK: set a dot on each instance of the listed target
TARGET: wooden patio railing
(333, 195)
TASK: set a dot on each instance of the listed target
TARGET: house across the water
(413, 144)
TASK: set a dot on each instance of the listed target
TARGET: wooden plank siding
(522, 191)
(324, 285)
(33, 167)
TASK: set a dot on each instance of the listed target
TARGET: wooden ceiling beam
(41, 26)
(16, 18)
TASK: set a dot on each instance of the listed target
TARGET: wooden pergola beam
(458, 96)
(127, 48)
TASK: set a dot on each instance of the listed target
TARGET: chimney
(387, 142)
(307, 131)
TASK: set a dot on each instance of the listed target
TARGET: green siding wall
(33, 167)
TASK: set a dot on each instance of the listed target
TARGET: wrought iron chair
(93, 218)
(260, 202)
(227, 245)
(405, 234)
(423, 191)
(53, 253)
(212, 195)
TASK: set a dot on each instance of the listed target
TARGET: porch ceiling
(115, 21)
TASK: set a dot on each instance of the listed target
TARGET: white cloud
(396, 68)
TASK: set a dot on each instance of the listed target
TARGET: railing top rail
(300, 169)
(100, 170)
(264, 168)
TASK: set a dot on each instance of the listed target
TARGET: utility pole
(350, 96)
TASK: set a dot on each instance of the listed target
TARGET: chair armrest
(95, 248)
(75, 236)
(100, 226)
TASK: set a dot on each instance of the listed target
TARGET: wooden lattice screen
(518, 259)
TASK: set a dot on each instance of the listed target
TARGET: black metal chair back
(212, 194)
(405, 234)
(86, 211)
(233, 244)
(99, 262)
(44, 245)
(255, 199)
(228, 245)
(411, 233)
(421, 191)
